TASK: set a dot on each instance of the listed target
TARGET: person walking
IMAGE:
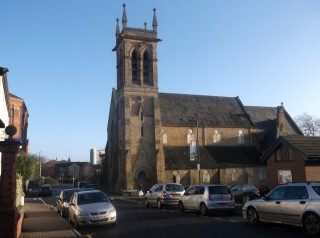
(140, 190)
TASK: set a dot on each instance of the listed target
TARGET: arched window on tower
(134, 62)
(146, 69)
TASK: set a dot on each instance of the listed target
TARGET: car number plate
(98, 217)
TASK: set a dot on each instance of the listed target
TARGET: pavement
(42, 221)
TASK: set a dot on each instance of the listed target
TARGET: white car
(295, 204)
(207, 198)
(91, 207)
(164, 194)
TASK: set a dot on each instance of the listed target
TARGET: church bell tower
(136, 107)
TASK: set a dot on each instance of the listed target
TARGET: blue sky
(60, 59)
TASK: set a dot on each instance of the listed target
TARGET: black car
(45, 190)
(244, 192)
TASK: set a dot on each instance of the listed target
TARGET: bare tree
(310, 125)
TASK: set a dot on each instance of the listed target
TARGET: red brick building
(293, 159)
(19, 118)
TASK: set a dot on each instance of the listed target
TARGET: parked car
(244, 192)
(207, 198)
(45, 190)
(295, 204)
(82, 184)
(64, 200)
(164, 194)
(90, 207)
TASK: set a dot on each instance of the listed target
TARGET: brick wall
(297, 167)
(312, 172)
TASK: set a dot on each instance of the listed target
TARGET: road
(135, 220)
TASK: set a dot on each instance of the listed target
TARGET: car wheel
(203, 209)
(146, 203)
(245, 199)
(181, 207)
(252, 216)
(159, 204)
(311, 223)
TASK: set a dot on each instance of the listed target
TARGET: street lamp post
(197, 143)
(40, 168)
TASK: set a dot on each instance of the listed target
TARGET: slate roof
(210, 111)
(14, 96)
(211, 157)
(309, 147)
(265, 118)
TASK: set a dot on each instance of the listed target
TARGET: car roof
(89, 191)
(169, 183)
(208, 185)
(45, 185)
(301, 183)
(71, 189)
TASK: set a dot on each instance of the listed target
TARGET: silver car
(164, 194)
(207, 198)
(295, 204)
(63, 201)
(91, 207)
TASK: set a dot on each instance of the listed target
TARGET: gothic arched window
(134, 64)
(146, 69)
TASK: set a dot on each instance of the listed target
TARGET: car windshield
(218, 190)
(174, 188)
(88, 198)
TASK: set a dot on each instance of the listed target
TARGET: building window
(216, 137)
(134, 62)
(283, 153)
(146, 69)
(240, 137)
(164, 136)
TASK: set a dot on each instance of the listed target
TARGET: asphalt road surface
(136, 220)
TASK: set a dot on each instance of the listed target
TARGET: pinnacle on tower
(154, 22)
(124, 16)
(117, 28)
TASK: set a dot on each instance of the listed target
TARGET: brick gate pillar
(8, 214)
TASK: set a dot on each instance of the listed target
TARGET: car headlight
(112, 210)
(82, 213)
(65, 204)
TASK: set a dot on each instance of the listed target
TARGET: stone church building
(164, 137)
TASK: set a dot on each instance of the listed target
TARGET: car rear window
(174, 188)
(218, 190)
(316, 189)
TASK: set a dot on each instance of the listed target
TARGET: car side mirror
(266, 198)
